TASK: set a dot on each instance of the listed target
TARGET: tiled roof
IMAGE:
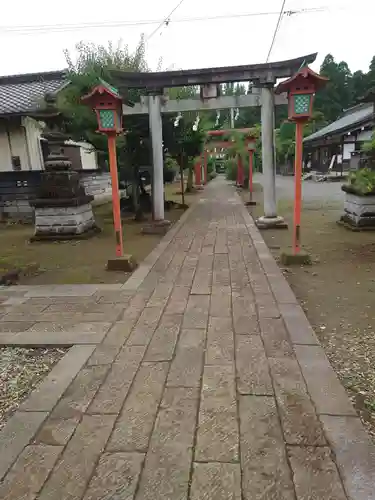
(22, 94)
(352, 117)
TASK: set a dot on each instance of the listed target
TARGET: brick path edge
(21, 428)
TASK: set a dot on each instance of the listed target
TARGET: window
(16, 163)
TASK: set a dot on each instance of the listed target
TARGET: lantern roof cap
(103, 88)
(304, 72)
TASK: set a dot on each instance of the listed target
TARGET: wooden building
(338, 145)
(22, 147)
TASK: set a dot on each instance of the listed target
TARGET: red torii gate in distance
(250, 143)
(198, 166)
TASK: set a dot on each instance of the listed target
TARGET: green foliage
(182, 142)
(183, 92)
(171, 166)
(91, 63)
(238, 140)
(344, 88)
(182, 139)
(231, 169)
(361, 182)
(337, 95)
(369, 146)
(211, 165)
(285, 136)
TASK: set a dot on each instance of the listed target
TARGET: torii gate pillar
(156, 131)
(270, 219)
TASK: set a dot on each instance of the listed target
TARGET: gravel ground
(21, 369)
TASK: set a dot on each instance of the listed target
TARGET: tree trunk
(189, 184)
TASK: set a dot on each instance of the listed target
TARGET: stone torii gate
(263, 78)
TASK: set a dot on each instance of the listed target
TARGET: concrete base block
(276, 222)
(64, 222)
(288, 258)
(364, 224)
(157, 227)
(48, 236)
(126, 264)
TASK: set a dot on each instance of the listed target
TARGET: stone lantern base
(64, 219)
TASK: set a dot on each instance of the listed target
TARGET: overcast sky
(344, 30)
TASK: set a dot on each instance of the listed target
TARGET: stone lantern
(62, 207)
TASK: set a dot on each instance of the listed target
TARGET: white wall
(5, 156)
(19, 147)
(348, 148)
(33, 133)
(365, 135)
(88, 156)
(20, 139)
(89, 159)
(25, 143)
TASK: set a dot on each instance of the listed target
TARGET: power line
(166, 21)
(46, 28)
(276, 29)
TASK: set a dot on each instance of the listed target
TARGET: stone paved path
(200, 379)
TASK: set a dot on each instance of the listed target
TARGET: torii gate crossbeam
(182, 105)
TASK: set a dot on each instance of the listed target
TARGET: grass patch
(80, 261)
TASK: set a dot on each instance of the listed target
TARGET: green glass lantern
(302, 104)
(301, 89)
(107, 104)
(107, 118)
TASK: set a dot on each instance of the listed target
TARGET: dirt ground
(337, 292)
(83, 261)
(21, 369)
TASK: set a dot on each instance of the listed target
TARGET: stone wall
(96, 183)
(18, 188)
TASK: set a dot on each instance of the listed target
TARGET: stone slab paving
(199, 378)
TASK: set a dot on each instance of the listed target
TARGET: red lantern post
(301, 90)
(105, 100)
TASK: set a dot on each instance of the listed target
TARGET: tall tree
(90, 63)
(285, 136)
(360, 85)
(337, 94)
(370, 77)
(183, 142)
